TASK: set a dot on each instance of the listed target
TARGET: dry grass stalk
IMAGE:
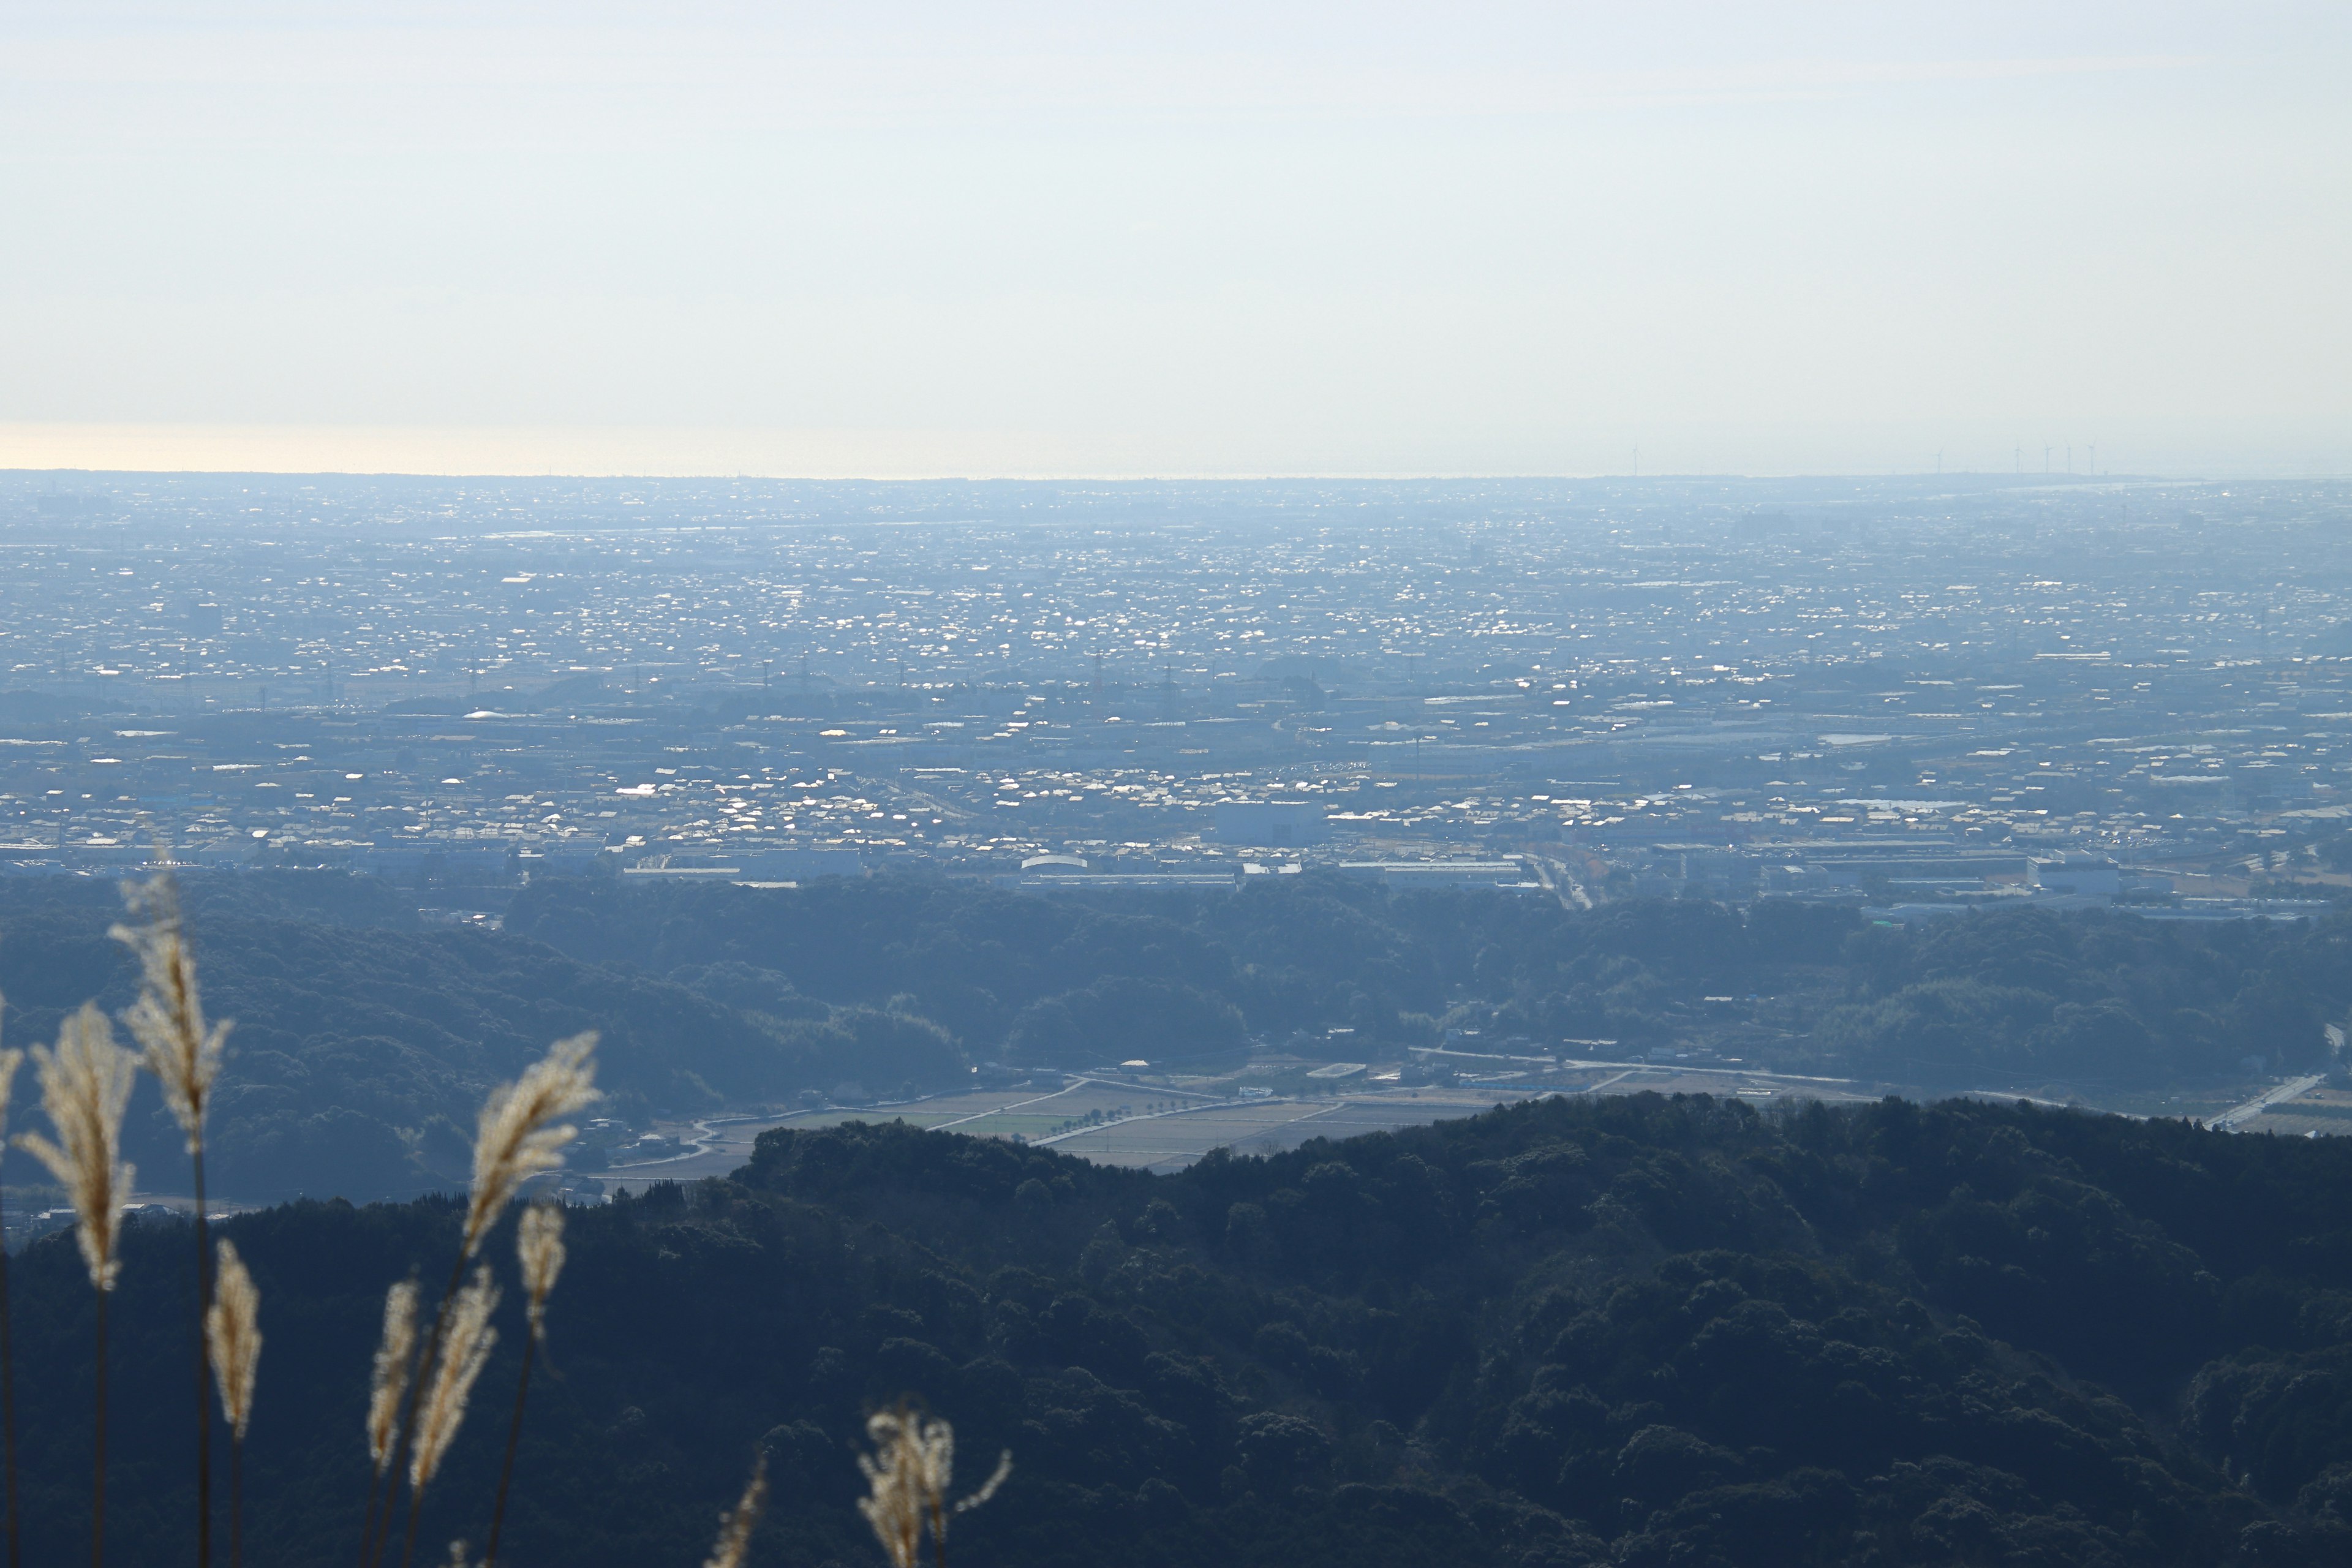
(908, 1476)
(168, 1019)
(539, 1246)
(518, 1135)
(539, 1249)
(233, 1337)
(184, 1054)
(392, 1355)
(465, 1346)
(10, 1060)
(735, 1526)
(996, 1477)
(461, 1343)
(233, 1332)
(85, 1084)
(521, 1132)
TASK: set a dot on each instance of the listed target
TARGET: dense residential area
(1932, 695)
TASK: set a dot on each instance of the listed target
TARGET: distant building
(802, 865)
(1283, 822)
(2080, 873)
(1400, 875)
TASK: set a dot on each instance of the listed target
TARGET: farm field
(1031, 1114)
(1260, 1127)
(1170, 1143)
(1154, 1127)
(2318, 1112)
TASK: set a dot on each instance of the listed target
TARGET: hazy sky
(1100, 237)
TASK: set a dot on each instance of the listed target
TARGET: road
(2234, 1120)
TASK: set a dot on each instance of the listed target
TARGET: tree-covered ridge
(2100, 1000)
(363, 1040)
(359, 1051)
(1632, 1330)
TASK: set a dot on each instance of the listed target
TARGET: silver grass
(85, 1084)
(233, 1333)
(9, 1062)
(521, 1132)
(539, 1246)
(735, 1525)
(996, 1477)
(908, 1476)
(168, 1019)
(184, 1054)
(465, 1346)
(392, 1370)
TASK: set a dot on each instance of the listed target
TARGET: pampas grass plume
(907, 1478)
(894, 1503)
(465, 1346)
(521, 1132)
(392, 1370)
(168, 1019)
(735, 1526)
(10, 1060)
(233, 1332)
(85, 1084)
(539, 1246)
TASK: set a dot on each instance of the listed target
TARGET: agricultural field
(2318, 1112)
(1157, 1128)
(1171, 1142)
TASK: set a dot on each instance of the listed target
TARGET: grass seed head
(392, 1370)
(539, 1247)
(85, 1084)
(168, 1018)
(9, 1062)
(522, 1131)
(895, 1504)
(908, 1476)
(466, 1344)
(232, 1335)
(735, 1525)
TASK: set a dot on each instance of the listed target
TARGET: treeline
(362, 1043)
(1006, 971)
(1631, 1331)
(363, 1039)
(2090, 999)
(2097, 1000)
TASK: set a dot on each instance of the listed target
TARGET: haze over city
(1279, 786)
(1037, 239)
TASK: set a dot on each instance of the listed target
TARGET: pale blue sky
(1096, 237)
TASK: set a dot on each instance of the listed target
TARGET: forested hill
(2089, 1002)
(1631, 1331)
(363, 1040)
(362, 1043)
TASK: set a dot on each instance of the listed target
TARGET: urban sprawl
(1927, 693)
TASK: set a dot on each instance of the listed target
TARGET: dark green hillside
(365, 1040)
(1635, 1332)
(359, 1052)
(2097, 1001)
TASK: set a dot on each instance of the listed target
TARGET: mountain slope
(1631, 1330)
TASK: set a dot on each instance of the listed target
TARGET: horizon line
(1333, 476)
